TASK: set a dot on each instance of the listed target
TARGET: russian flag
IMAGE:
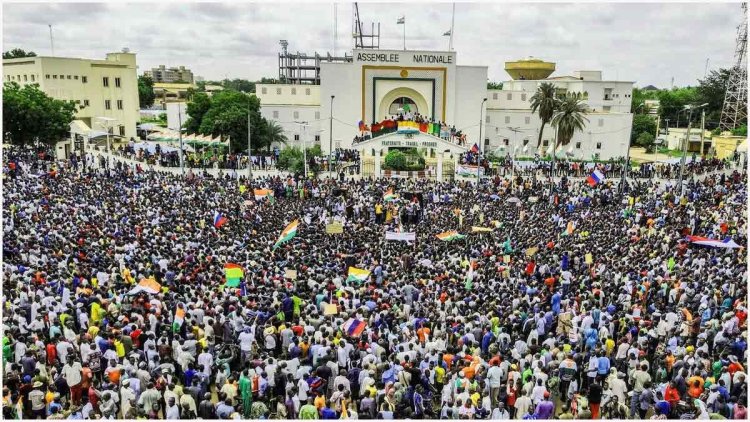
(475, 148)
(595, 178)
(354, 327)
(219, 219)
(714, 243)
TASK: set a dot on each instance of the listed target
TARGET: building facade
(101, 88)
(376, 83)
(170, 74)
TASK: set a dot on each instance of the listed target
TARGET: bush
(395, 160)
(740, 131)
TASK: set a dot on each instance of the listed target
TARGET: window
(263, 90)
(545, 143)
(578, 145)
(117, 82)
(601, 122)
(122, 130)
(275, 113)
(70, 77)
(25, 78)
(294, 91)
(510, 96)
(525, 142)
(296, 137)
(85, 103)
(317, 138)
(497, 129)
(598, 145)
(317, 115)
(105, 81)
(527, 120)
(506, 142)
(62, 76)
(507, 119)
(523, 97)
(606, 109)
(278, 91)
(119, 104)
(33, 78)
(84, 79)
(54, 76)
(296, 114)
(46, 76)
(487, 119)
(494, 95)
(75, 77)
(486, 143)
(307, 91)
(107, 104)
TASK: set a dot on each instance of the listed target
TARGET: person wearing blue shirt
(603, 366)
(556, 298)
(487, 339)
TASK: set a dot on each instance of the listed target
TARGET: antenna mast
(734, 112)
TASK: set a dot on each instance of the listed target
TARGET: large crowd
(564, 301)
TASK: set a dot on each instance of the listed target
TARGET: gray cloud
(645, 42)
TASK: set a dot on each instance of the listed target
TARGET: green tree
(569, 119)
(642, 123)
(544, 102)
(242, 85)
(494, 85)
(18, 53)
(395, 160)
(273, 133)
(30, 114)
(228, 117)
(740, 131)
(196, 109)
(672, 102)
(145, 91)
(292, 159)
(645, 140)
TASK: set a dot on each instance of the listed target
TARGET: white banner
(404, 237)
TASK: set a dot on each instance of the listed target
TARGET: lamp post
(106, 123)
(303, 129)
(689, 108)
(479, 153)
(249, 146)
(515, 131)
(330, 137)
(182, 149)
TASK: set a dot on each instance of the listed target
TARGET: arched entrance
(409, 96)
(404, 104)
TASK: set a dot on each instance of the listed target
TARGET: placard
(330, 310)
(589, 258)
(506, 259)
(404, 237)
(290, 274)
(531, 251)
(334, 228)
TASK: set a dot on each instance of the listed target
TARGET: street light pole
(249, 147)
(689, 108)
(515, 131)
(330, 138)
(182, 149)
(479, 152)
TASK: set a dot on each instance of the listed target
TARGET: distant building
(101, 88)
(170, 92)
(170, 75)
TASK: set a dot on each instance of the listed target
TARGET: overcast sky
(648, 43)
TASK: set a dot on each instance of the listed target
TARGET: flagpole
(453, 20)
(404, 32)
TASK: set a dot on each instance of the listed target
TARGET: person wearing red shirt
(671, 394)
(51, 353)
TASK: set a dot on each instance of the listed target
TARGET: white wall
(176, 114)
(345, 84)
(470, 89)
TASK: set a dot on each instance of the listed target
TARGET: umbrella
(494, 197)
(514, 200)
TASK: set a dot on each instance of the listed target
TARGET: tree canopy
(146, 94)
(18, 53)
(30, 114)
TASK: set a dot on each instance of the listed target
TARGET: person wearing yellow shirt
(609, 345)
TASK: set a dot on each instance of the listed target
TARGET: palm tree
(546, 103)
(274, 134)
(567, 120)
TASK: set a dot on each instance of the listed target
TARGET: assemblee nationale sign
(412, 144)
(396, 58)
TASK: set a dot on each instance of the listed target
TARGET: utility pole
(330, 138)
(703, 130)
(479, 152)
(656, 137)
(51, 40)
(680, 185)
(515, 131)
(182, 150)
(249, 149)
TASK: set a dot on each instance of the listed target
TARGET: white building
(101, 88)
(375, 84)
